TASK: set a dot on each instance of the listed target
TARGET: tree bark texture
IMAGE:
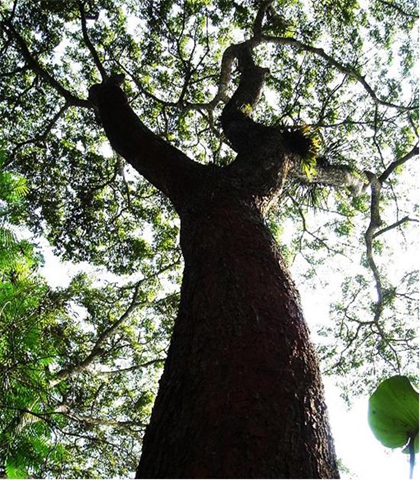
(241, 394)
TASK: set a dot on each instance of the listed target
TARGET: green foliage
(78, 365)
(54, 344)
(59, 179)
(394, 415)
(304, 142)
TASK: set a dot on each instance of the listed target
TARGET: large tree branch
(336, 176)
(26, 416)
(88, 43)
(259, 19)
(163, 165)
(240, 129)
(23, 418)
(244, 96)
(230, 56)
(243, 133)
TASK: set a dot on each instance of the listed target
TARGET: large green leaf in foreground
(394, 413)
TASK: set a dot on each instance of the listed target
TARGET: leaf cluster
(78, 364)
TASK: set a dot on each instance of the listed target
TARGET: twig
(42, 136)
(331, 61)
(394, 225)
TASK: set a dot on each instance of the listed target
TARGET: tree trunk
(241, 395)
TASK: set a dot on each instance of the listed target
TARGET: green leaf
(15, 471)
(394, 413)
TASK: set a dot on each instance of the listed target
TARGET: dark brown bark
(241, 394)
(163, 165)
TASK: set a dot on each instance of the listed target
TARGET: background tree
(64, 352)
(357, 91)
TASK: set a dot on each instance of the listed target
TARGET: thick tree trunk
(241, 395)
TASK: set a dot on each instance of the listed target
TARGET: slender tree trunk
(241, 395)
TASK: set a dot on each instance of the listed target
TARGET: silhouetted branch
(394, 225)
(89, 44)
(132, 368)
(376, 222)
(98, 349)
(412, 153)
(42, 136)
(351, 72)
(34, 64)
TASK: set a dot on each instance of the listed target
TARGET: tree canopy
(74, 359)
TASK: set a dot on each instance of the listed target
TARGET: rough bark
(241, 394)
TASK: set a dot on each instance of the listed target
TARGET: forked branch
(373, 230)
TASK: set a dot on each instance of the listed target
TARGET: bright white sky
(355, 444)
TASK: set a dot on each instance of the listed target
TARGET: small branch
(394, 225)
(184, 106)
(32, 417)
(34, 64)
(89, 420)
(133, 368)
(319, 240)
(339, 66)
(42, 137)
(412, 153)
(375, 223)
(89, 44)
(97, 349)
(328, 99)
(397, 8)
